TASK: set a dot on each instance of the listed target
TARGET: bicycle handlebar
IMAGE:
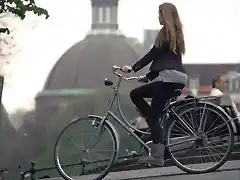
(116, 68)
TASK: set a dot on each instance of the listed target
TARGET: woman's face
(160, 17)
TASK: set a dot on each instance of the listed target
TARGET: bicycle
(191, 139)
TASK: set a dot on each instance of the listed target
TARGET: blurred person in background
(219, 85)
(166, 65)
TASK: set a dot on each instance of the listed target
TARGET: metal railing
(127, 162)
(31, 172)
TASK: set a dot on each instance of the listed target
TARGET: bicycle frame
(125, 125)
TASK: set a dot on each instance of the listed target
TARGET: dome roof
(87, 63)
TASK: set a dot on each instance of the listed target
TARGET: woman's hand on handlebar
(126, 69)
(143, 79)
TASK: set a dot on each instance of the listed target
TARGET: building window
(95, 15)
(100, 15)
(107, 15)
(233, 80)
(114, 15)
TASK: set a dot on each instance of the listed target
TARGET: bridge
(230, 170)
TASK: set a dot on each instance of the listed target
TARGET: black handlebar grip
(145, 80)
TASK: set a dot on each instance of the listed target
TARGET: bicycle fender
(115, 131)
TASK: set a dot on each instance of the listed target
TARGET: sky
(211, 29)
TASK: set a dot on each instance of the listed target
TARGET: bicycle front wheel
(83, 149)
(213, 144)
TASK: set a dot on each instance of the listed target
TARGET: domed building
(88, 62)
(82, 69)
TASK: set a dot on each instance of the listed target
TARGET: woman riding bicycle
(166, 57)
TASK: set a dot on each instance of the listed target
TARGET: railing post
(33, 170)
(1, 87)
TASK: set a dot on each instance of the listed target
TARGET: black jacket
(162, 58)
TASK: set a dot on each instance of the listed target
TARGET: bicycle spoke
(74, 142)
(212, 124)
(215, 129)
(191, 120)
(186, 131)
(205, 121)
(201, 117)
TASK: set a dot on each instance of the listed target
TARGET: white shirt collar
(216, 92)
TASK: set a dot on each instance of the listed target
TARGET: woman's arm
(145, 60)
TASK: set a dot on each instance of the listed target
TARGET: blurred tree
(19, 8)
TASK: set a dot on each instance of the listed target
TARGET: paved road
(230, 171)
(224, 175)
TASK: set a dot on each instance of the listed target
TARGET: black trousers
(160, 92)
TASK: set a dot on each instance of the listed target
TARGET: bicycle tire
(231, 138)
(113, 158)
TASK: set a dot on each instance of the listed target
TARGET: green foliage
(20, 8)
(4, 30)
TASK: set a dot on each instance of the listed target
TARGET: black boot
(157, 156)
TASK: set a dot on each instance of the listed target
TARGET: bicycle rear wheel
(94, 167)
(214, 139)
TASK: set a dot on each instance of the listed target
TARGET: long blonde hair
(172, 30)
